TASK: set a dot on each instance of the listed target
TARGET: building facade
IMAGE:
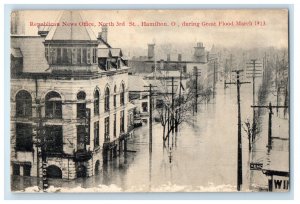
(68, 102)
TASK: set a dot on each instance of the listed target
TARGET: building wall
(68, 90)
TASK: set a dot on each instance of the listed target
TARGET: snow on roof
(136, 83)
(104, 52)
(33, 51)
(116, 52)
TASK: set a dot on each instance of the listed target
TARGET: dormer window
(71, 55)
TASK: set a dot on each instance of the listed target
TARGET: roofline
(26, 36)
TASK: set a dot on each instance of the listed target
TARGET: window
(84, 55)
(96, 134)
(64, 56)
(145, 106)
(106, 128)
(23, 104)
(47, 54)
(96, 102)
(53, 105)
(53, 56)
(115, 96)
(122, 95)
(81, 105)
(16, 169)
(59, 60)
(81, 137)
(79, 55)
(115, 125)
(74, 56)
(122, 121)
(26, 169)
(23, 137)
(88, 59)
(106, 100)
(94, 55)
(53, 139)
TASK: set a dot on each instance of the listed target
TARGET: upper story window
(81, 105)
(115, 96)
(53, 105)
(106, 99)
(23, 104)
(23, 137)
(71, 55)
(96, 102)
(122, 95)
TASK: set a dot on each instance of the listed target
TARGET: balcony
(82, 155)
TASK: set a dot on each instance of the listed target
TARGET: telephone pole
(270, 107)
(238, 83)
(253, 72)
(197, 73)
(41, 146)
(150, 114)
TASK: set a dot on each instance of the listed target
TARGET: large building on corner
(69, 96)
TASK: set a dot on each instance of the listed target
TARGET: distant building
(138, 96)
(69, 97)
(204, 62)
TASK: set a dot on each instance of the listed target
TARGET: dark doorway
(54, 172)
(26, 170)
(16, 169)
(97, 167)
(81, 171)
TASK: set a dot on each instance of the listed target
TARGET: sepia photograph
(149, 101)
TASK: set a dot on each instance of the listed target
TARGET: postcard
(149, 100)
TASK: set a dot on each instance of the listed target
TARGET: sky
(272, 30)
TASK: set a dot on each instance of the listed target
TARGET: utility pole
(150, 115)
(41, 146)
(196, 88)
(253, 72)
(214, 85)
(270, 107)
(172, 105)
(238, 83)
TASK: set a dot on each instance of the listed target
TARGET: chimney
(104, 33)
(99, 35)
(151, 51)
(168, 57)
(199, 53)
(161, 64)
(17, 23)
(179, 57)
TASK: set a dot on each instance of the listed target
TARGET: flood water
(203, 154)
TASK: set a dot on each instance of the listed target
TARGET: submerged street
(202, 156)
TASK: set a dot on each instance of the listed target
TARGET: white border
(295, 84)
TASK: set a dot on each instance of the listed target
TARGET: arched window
(122, 95)
(53, 105)
(81, 104)
(54, 172)
(23, 104)
(106, 100)
(96, 102)
(115, 96)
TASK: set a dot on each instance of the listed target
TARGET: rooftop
(72, 31)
